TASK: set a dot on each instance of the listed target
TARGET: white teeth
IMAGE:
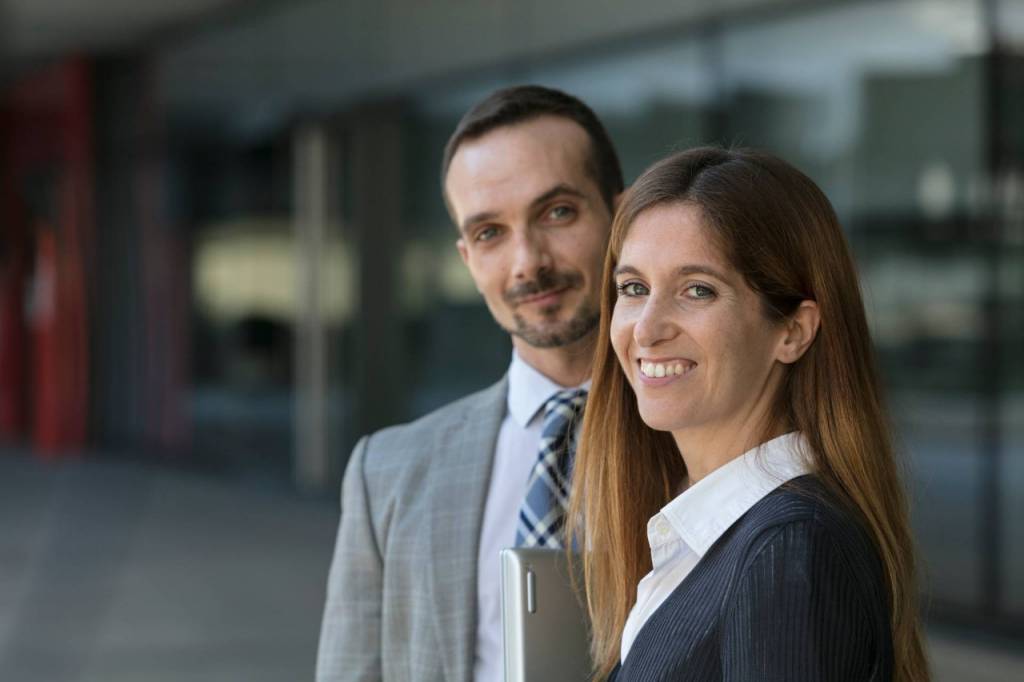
(658, 370)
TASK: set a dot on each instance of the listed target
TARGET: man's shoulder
(420, 437)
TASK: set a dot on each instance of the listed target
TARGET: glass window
(883, 105)
(243, 304)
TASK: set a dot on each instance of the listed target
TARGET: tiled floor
(116, 572)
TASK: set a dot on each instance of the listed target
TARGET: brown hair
(522, 103)
(777, 228)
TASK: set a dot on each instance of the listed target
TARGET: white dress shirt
(684, 530)
(514, 457)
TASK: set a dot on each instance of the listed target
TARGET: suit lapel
(460, 478)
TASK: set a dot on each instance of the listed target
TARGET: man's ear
(460, 244)
(801, 330)
(617, 200)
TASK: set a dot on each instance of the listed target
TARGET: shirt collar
(528, 390)
(705, 510)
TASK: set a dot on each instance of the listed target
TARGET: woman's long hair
(777, 228)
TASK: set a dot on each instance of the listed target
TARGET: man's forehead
(544, 139)
(517, 163)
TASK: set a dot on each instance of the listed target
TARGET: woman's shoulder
(809, 590)
(803, 521)
(805, 503)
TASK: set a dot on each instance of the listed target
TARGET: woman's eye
(700, 291)
(631, 289)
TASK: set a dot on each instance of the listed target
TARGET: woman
(736, 416)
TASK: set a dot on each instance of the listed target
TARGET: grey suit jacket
(401, 594)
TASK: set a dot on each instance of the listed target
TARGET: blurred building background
(224, 256)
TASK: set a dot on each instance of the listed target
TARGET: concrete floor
(118, 572)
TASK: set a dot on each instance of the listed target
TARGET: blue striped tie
(547, 490)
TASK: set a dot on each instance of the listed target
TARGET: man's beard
(555, 335)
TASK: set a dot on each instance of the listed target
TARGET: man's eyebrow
(477, 218)
(558, 189)
(550, 194)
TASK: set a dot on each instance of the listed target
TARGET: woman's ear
(801, 329)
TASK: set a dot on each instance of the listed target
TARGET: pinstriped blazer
(401, 593)
(792, 592)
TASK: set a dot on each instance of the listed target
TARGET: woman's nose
(655, 324)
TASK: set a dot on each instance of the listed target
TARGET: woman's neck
(707, 449)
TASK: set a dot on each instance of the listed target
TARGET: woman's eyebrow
(701, 269)
(681, 271)
(625, 270)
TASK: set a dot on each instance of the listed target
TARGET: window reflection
(884, 105)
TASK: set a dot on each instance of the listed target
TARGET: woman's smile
(658, 372)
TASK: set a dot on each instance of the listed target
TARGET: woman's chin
(659, 421)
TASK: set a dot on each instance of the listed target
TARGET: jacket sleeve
(350, 635)
(800, 612)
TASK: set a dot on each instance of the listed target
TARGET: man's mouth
(544, 290)
(543, 297)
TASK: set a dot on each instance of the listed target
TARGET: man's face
(533, 228)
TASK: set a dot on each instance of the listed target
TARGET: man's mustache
(545, 281)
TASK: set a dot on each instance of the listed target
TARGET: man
(530, 179)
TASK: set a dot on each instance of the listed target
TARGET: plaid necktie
(547, 490)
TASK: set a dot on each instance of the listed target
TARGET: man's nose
(531, 255)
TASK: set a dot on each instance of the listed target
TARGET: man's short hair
(521, 103)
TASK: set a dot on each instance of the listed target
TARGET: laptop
(547, 631)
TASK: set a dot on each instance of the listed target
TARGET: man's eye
(486, 234)
(561, 212)
(631, 289)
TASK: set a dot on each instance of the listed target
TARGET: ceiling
(36, 30)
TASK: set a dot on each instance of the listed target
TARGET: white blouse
(684, 530)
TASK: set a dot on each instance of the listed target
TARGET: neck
(567, 366)
(709, 447)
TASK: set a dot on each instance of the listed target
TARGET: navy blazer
(793, 591)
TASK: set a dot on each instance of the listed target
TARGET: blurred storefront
(252, 253)
(47, 171)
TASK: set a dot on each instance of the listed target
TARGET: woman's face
(689, 333)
